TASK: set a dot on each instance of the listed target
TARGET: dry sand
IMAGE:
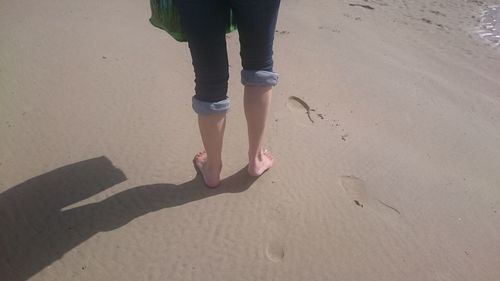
(394, 175)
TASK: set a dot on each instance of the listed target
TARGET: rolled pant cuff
(259, 78)
(207, 108)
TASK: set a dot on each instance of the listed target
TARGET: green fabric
(165, 15)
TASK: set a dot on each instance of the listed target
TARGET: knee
(259, 78)
(209, 108)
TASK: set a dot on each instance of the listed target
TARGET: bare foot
(261, 163)
(211, 177)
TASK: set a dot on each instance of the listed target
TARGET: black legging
(204, 23)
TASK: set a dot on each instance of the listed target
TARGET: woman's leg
(209, 162)
(256, 26)
(204, 22)
(257, 100)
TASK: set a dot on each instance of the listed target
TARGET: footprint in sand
(279, 225)
(297, 104)
(356, 190)
(275, 251)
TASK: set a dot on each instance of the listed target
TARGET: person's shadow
(35, 231)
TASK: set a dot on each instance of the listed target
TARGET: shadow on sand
(35, 231)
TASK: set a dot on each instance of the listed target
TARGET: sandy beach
(385, 127)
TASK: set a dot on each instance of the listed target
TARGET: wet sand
(489, 28)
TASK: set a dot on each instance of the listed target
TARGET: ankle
(254, 158)
(214, 166)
